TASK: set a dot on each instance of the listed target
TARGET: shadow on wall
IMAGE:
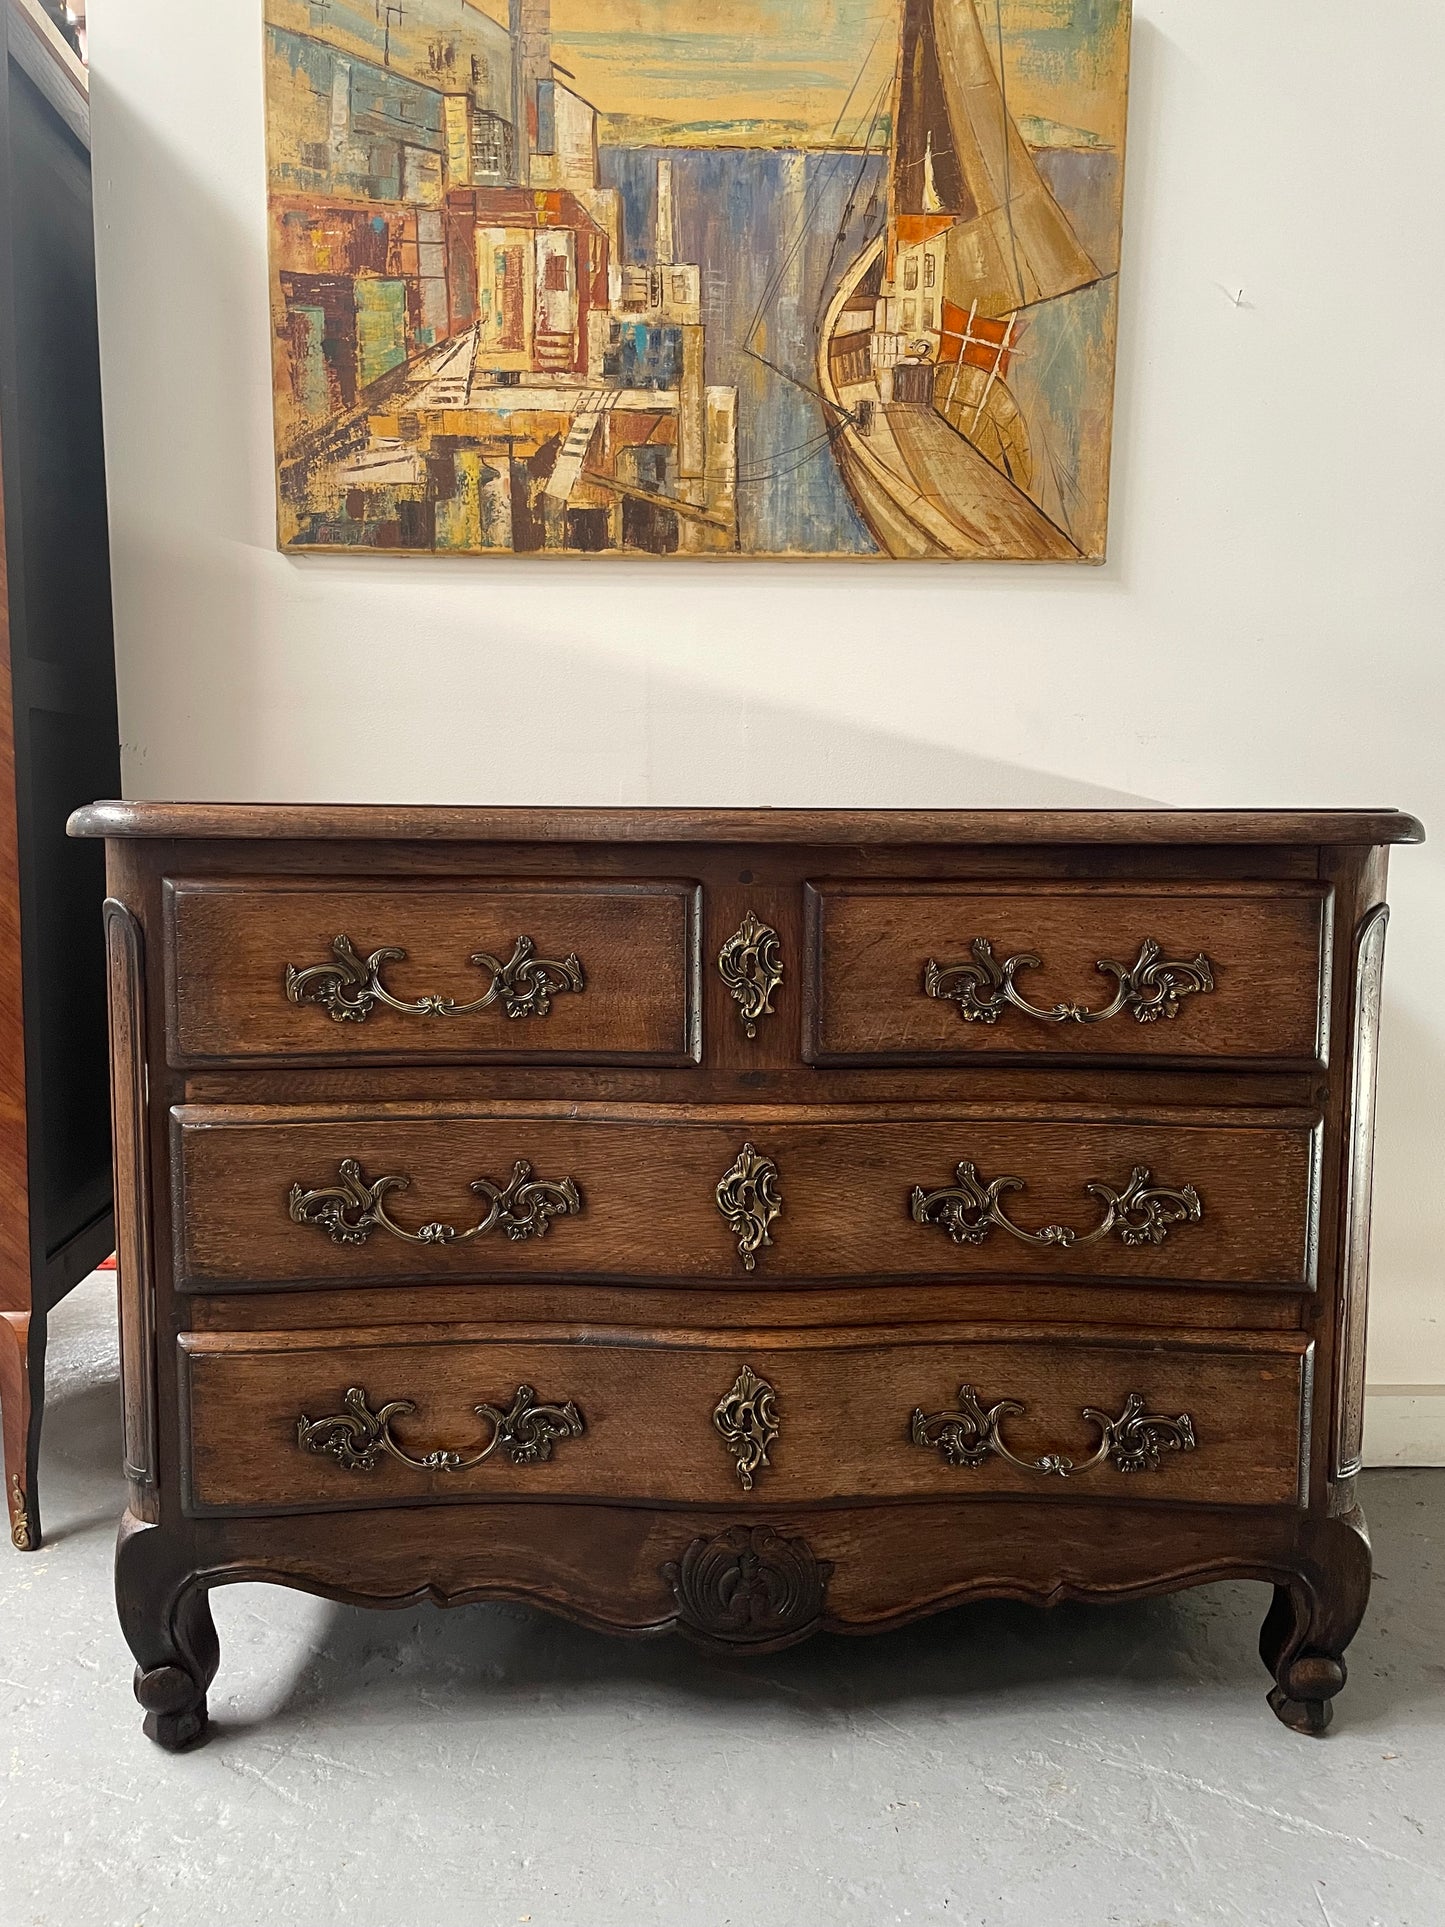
(785, 756)
(624, 736)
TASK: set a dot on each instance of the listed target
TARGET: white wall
(1268, 630)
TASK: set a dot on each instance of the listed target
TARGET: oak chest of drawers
(743, 1222)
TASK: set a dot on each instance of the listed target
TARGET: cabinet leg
(22, 1408)
(1310, 1623)
(166, 1617)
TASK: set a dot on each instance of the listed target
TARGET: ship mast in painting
(919, 341)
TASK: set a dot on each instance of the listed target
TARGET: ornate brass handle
(1141, 1213)
(351, 988)
(983, 988)
(747, 1420)
(1133, 1442)
(350, 1211)
(749, 1198)
(357, 1437)
(750, 963)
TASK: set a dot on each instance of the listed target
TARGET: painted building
(462, 362)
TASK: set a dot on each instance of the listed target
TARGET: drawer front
(380, 1195)
(493, 970)
(922, 973)
(320, 1420)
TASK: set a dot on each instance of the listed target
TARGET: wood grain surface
(648, 1182)
(844, 1403)
(869, 945)
(299, 822)
(228, 950)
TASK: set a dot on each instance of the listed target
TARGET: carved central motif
(1142, 1213)
(750, 963)
(749, 1198)
(748, 1421)
(350, 988)
(348, 1212)
(1149, 988)
(970, 1434)
(749, 1586)
(358, 1437)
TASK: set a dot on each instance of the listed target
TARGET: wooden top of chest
(369, 822)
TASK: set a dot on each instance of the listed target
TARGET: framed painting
(696, 277)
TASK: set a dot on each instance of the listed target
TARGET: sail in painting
(921, 337)
(582, 277)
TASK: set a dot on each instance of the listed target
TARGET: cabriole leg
(166, 1618)
(1311, 1622)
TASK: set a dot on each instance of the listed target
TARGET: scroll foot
(1311, 1622)
(166, 1618)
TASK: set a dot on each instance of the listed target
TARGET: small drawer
(724, 1196)
(938, 973)
(306, 1421)
(492, 970)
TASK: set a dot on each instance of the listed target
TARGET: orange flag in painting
(978, 341)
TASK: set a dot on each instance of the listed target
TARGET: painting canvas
(696, 277)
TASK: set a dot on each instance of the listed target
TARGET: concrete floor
(994, 1767)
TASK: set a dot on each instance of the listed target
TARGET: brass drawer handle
(749, 1199)
(750, 963)
(351, 988)
(357, 1437)
(1132, 1442)
(350, 1211)
(1142, 1213)
(1149, 987)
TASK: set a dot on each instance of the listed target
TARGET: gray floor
(994, 1767)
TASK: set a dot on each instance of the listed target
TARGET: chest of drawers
(743, 1222)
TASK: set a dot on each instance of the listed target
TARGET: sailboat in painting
(918, 342)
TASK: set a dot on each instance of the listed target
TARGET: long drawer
(923, 972)
(324, 1419)
(488, 970)
(326, 1196)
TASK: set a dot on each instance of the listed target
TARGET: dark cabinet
(58, 733)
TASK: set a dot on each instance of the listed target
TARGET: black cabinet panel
(60, 734)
